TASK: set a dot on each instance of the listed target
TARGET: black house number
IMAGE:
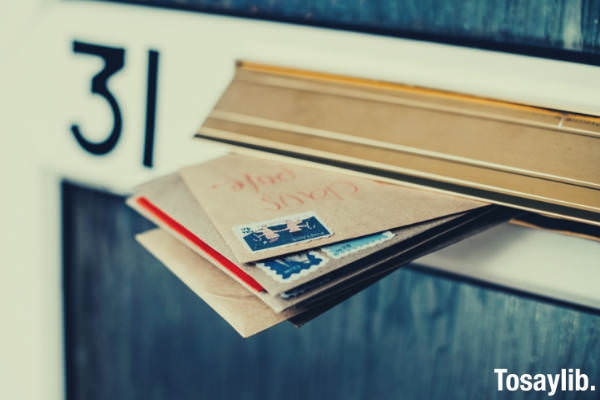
(114, 61)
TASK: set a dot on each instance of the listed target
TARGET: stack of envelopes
(264, 241)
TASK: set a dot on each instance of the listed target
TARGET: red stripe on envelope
(215, 255)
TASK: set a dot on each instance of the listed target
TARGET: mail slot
(511, 154)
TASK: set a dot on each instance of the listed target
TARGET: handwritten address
(265, 185)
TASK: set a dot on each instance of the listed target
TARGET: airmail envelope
(168, 195)
(265, 208)
(167, 202)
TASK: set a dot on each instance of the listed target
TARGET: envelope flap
(265, 208)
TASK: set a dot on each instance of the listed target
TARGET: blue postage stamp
(282, 231)
(342, 249)
(290, 268)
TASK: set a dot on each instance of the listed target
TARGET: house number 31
(114, 61)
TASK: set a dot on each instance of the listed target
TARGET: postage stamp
(342, 249)
(284, 231)
(292, 267)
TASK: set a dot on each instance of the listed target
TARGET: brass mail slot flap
(523, 156)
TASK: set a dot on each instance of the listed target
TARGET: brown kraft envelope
(171, 196)
(246, 313)
(265, 208)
